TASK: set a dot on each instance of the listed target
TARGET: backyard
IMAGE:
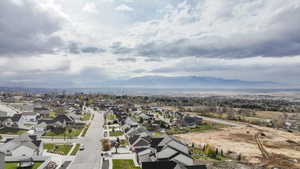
(64, 132)
(124, 164)
(209, 153)
(62, 149)
(116, 133)
(199, 128)
(15, 165)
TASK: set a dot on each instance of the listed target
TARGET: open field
(268, 114)
(241, 140)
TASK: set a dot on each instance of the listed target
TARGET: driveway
(90, 157)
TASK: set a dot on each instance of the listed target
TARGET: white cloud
(90, 7)
(123, 8)
(248, 40)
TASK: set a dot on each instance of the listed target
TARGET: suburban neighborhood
(94, 131)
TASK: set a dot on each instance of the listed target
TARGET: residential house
(16, 121)
(140, 142)
(42, 112)
(166, 148)
(129, 123)
(30, 117)
(189, 121)
(170, 165)
(23, 146)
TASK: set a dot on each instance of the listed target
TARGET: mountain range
(187, 82)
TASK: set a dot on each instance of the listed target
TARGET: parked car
(81, 147)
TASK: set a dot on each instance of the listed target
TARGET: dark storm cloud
(26, 28)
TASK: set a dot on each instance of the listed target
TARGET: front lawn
(62, 149)
(124, 164)
(52, 114)
(12, 131)
(75, 150)
(15, 165)
(64, 132)
(116, 133)
(111, 116)
(86, 117)
(85, 130)
(124, 143)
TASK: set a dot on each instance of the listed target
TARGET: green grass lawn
(124, 164)
(111, 116)
(12, 131)
(157, 133)
(124, 143)
(15, 165)
(52, 114)
(65, 133)
(116, 133)
(85, 130)
(62, 149)
(199, 128)
(75, 150)
(86, 117)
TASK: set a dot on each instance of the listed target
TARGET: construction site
(262, 146)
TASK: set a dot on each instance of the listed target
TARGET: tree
(222, 153)
(239, 157)
(106, 145)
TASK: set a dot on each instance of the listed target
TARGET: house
(189, 121)
(42, 112)
(23, 146)
(169, 165)
(30, 117)
(16, 121)
(173, 149)
(2, 159)
(129, 123)
(140, 142)
(40, 128)
(136, 131)
(165, 149)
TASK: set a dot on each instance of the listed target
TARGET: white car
(81, 147)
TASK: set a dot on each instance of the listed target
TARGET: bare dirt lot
(241, 140)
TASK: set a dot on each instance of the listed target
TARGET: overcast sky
(81, 43)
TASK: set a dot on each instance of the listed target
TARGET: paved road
(90, 157)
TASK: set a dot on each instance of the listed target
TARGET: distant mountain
(187, 82)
